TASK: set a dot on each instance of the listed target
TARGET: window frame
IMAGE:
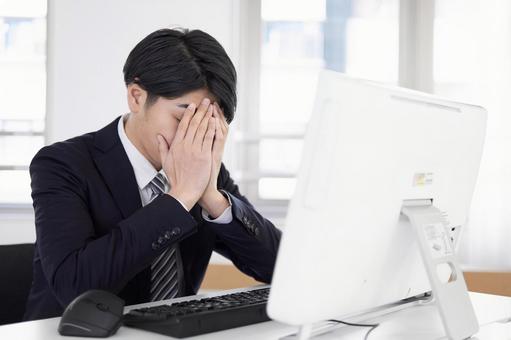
(415, 71)
(11, 209)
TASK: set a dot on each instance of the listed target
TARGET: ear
(136, 98)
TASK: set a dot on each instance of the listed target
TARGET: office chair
(15, 280)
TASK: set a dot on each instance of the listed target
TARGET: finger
(218, 131)
(196, 120)
(215, 111)
(223, 120)
(208, 137)
(224, 127)
(185, 121)
(203, 127)
(218, 142)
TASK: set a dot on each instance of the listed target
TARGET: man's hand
(212, 200)
(187, 161)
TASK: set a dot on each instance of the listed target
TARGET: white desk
(417, 323)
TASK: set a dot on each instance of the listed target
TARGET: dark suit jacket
(93, 233)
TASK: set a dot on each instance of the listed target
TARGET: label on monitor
(438, 239)
(421, 179)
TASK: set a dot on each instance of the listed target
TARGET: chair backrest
(15, 280)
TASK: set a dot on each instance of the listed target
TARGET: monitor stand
(436, 248)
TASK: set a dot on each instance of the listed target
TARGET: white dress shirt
(145, 172)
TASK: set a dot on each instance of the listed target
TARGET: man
(137, 207)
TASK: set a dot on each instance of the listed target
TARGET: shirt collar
(144, 170)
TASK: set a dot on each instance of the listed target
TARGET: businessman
(138, 207)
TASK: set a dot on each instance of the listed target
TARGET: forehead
(196, 96)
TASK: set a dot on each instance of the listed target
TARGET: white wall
(89, 41)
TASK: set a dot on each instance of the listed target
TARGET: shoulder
(72, 152)
(81, 150)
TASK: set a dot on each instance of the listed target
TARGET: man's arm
(250, 241)
(74, 258)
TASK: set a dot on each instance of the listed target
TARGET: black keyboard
(194, 317)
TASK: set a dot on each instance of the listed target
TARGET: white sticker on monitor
(421, 179)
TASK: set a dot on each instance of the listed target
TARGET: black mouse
(95, 313)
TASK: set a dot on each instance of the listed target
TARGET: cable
(425, 297)
(372, 325)
(369, 332)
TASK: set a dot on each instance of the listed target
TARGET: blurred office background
(61, 75)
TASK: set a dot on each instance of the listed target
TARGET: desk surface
(417, 322)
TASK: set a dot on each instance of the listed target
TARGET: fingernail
(206, 101)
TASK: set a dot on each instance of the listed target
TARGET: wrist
(185, 200)
(214, 203)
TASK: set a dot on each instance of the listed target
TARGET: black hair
(172, 62)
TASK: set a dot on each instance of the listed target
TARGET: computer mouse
(95, 313)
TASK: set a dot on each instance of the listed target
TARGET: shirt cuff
(224, 218)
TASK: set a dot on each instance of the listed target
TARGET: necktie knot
(158, 184)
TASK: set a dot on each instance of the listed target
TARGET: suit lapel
(117, 172)
(115, 168)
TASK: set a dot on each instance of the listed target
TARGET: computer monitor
(346, 247)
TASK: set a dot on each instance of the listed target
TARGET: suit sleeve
(73, 257)
(250, 241)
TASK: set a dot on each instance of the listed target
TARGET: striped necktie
(164, 269)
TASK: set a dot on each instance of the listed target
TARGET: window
(472, 63)
(299, 39)
(22, 107)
